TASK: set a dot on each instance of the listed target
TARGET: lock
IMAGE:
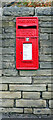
(20, 52)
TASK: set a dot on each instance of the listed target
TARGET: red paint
(26, 27)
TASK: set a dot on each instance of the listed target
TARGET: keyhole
(21, 52)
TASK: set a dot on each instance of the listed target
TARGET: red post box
(27, 43)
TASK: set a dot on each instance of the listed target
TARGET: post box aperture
(27, 43)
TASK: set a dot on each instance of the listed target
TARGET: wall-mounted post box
(27, 43)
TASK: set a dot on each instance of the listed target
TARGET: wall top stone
(43, 11)
(18, 11)
(27, 11)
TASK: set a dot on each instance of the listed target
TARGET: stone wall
(26, 92)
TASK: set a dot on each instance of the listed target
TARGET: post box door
(27, 53)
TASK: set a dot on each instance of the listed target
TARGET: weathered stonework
(26, 92)
(18, 11)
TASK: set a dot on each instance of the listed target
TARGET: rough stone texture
(10, 72)
(11, 110)
(41, 11)
(42, 80)
(18, 11)
(27, 110)
(25, 80)
(30, 103)
(43, 36)
(6, 103)
(3, 87)
(31, 95)
(9, 29)
(39, 72)
(50, 103)
(47, 30)
(44, 18)
(7, 35)
(27, 87)
(46, 44)
(10, 94)
(8, 18)
(7, 58)
(0, 72)
(8, 43)
(47, 95)
(50, 87)
(9, 50)
(46, 26)
(8, 65)
(46, 64)
(0, 50)
(1, 10)
(42, 111)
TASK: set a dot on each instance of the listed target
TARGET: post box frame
(20, 63)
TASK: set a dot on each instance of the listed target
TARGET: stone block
(1, 11)
(0, 64)
(3, 87)
(1, 24)
(41, 11)
(5, 24)
(10, 94)
(0, 36)
(44, 26)
(30, 103)
(38, 87)
(46, 64)
(46, 50)
(28, 110)
(6, 103)
(9, 72)
(20, 80)
(0, 43)
(8, 43)
(8, 58)
(47, 30)
(7, 18)
(47, 95)
(8, 35)
(50, 87)
(8, 50)
(43, 36)
(50, 103)
(39, 72)
(31, 95)
(11, 110)
(42, 111)
(42, 80)
(1, 58)
(10, 29)
(0, 72)
(11, 24)
(45, 58)
(1, 30)
(0, 50)
(44, 18)
(51, 37)
(46, 43)
(18, 11)
(8, 65)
